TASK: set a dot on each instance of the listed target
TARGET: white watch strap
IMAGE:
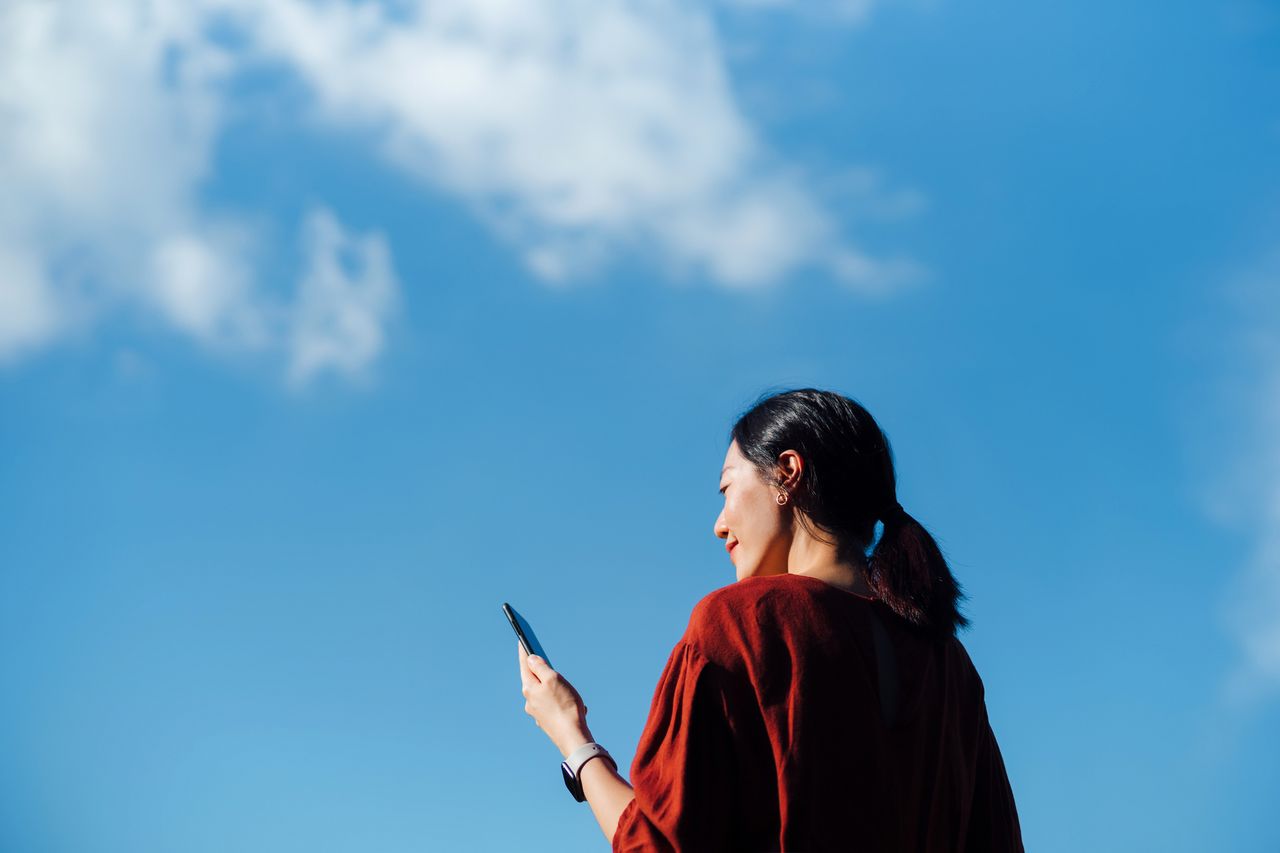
(585, 753)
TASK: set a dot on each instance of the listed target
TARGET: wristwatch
(571, 767)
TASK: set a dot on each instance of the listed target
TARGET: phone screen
(524, 632)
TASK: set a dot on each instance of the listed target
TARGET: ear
(790, 469)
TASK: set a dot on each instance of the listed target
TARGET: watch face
(571, 782)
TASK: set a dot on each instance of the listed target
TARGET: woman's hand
(553, 703)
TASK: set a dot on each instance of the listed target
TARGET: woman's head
(827, 460)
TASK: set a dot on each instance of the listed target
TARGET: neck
(809, 556)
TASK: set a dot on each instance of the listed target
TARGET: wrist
(575, 765)
(574, 737)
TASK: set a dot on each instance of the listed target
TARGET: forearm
(607, 793)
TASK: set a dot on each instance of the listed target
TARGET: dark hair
(847, 485)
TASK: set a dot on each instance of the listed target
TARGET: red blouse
(767, 732)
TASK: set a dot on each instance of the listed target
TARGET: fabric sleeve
(683, 773)
(993, 819)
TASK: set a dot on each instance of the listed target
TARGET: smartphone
(524, 633)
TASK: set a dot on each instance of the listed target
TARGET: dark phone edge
(511, 617)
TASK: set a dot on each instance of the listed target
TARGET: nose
(721, 529)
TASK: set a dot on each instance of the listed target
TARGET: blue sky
(327, 328)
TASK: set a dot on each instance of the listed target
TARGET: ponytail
(910, 575)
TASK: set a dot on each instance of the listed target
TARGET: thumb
(539, 666)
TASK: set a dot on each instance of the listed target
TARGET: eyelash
(722, 489)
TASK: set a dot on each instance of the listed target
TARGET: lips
(729, 546)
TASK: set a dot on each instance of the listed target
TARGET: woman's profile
(822, 701)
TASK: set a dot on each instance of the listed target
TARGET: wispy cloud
(849, 12)
(581, 131)
(344, 299)
(1248, 495)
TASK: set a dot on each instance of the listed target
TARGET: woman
(821, 702)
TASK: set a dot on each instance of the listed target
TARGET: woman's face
(756, 530)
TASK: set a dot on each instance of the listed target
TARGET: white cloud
(581, 131)
(110, 112)
(570, 125)
(203, 288)
(97, 157)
